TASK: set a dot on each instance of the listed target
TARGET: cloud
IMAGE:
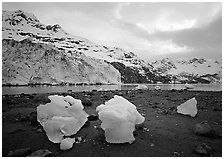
(148, 29)
(209, 36)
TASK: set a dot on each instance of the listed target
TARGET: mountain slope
(192, 70)
(54, 56)
(19, 25)
(25, 62)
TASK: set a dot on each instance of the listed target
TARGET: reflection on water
(50, 89)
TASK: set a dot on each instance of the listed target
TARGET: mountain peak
(17, 17)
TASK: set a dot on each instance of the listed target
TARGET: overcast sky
(151, 30)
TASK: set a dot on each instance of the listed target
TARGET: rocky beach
(164, 133)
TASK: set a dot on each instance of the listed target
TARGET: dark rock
(22, 94)
(203, 149)
(155, 106)
(86, 102)
(87, 124)
(33, 120)
(41, 153)
(217, 109)
(94, 90)
(203, 129)
(173, 108)
(20, 152)
(106, 97)
(89, 93)
(31, 96)
(93, 117)
(135, 133)
(139, 126)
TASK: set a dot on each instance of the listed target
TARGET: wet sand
(164, 133)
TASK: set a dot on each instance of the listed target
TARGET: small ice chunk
(67, 143)
(119, 118)
(189, 86)
(157, 88)
(188, 108)
(142, 86)
(63, 116)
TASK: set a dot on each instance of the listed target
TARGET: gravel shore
(164, 132)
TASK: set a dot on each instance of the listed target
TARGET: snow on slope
(19, 25)
(197, 66)
(192, 67)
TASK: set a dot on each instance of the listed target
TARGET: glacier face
(25, 62)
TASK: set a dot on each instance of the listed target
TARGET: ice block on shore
(119, 118)
(62, 117)
(188, 108)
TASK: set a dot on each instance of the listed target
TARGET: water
(52, 89)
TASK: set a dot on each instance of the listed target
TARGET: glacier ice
(188, 108)
(62, 117)
(119, 118)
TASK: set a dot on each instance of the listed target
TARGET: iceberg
(119, 118)
(189, 86)
(188, 108)
(62, 117)
(142, 86)
(157, 88)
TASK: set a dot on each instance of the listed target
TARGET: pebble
(203, 149)
(39, 130)
(203, 128)
(87, 102)
(152, 145)
(146, 129)
(175, 153)
(93, 117)
(79, 139)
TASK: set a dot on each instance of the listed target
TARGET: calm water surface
(51, 89)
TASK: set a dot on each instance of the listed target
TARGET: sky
(149, 29)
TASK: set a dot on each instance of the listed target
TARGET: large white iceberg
(188, 108)
(62, 117)
(119, 118)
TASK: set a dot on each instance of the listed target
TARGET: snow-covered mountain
(19, 25)
(36, 53)
(191, 70)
